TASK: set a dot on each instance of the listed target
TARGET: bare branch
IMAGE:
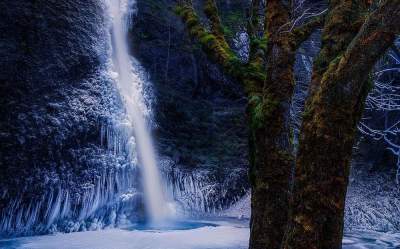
(384, 101)
(303, 32)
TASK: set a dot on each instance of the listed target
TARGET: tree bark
(328, 131)
(271, 161)
(268, 81)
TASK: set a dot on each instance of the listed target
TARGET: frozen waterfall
(130, 88)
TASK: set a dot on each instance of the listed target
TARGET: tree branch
(303, 32)
(210, 43)
(249, 75)
(375, 36)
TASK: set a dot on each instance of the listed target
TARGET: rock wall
(59, 157)
(200, 113)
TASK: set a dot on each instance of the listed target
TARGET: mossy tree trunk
(329, 128)
(339, 85)
(272, 158)
(268, 81)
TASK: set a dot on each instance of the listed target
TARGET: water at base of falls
(176, 225)
(130, 88)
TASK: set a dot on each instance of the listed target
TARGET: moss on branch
(217, 29)
(251, 75)
(209, 42)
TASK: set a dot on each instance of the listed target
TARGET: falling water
(129, 84)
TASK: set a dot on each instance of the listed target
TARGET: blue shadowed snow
(211, 234)
(371, 240)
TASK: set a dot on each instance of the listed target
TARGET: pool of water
(170, 226)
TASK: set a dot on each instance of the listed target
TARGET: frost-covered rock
(61, 155)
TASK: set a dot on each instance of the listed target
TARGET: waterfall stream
(130, 87)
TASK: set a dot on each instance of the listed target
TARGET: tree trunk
(269, 203)
(271, 156)
(270, 168)
(328, 131)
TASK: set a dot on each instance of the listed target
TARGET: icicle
(55, 209)
(66, 206)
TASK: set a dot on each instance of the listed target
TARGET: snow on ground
(241, 209)
(371, 240)
(228, 234)
(233, 236)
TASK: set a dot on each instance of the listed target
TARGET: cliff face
(56, 101)
(200, 114)
(63, 166)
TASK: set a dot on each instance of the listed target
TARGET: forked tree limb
(249, 75)
(329, 127)
(221, 53)
(303, 32)
(376, 36)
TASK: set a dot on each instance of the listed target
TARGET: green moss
(258, 116)
(235, 20)
(228, 32)
(270, 106)
(260, 42)
(307, 112)
(261, 110)
(365, 90)
(206, 39)
(252, 75)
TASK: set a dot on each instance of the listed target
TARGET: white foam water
(130, 86)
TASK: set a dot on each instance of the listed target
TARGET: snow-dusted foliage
(240, 209)
(200, 192)
(241, 43)
(383, 104)
(372, 202)
(373, 195)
